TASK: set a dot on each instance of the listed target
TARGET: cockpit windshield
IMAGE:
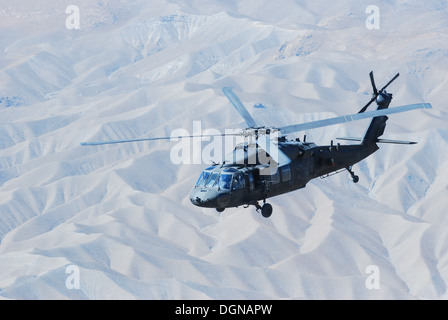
(222, 180)
(212, 180)
(203, 178)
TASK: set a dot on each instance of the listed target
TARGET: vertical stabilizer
(375, 130)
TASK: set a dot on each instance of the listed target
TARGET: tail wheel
(266, 210)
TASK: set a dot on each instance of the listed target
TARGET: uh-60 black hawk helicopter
(265, 167)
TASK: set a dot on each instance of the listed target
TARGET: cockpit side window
(224, 181)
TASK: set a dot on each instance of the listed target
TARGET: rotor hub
(383, 98)
(250, 132)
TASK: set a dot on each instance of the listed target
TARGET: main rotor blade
(395, 77)
(372, 81)
(265, 143)
(158, 138)
(352, 117)
(239, 107)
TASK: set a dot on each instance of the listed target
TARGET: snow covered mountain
(120, 214)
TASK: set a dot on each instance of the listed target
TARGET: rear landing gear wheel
(266, 210)
(220, 209)
(354, 176)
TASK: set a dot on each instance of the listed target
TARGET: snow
(121, 213)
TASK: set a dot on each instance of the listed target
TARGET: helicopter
(269, 164)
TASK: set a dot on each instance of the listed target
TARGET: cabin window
(275, 178)
(238, 182)
(251, 181)
(286, 173)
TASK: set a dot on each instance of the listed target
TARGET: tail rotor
(376, 93)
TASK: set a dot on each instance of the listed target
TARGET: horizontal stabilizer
(380, 140)
(395, 141)
(350, 139)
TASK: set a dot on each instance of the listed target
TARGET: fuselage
(243, 179)
(235, 183)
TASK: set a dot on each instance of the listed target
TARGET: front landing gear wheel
(220, 209)
(266, 210)
(355, 179)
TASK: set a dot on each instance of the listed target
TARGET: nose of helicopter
(204, 197)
